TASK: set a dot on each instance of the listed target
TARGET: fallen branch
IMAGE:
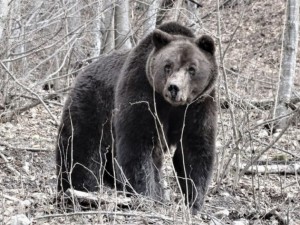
(261, 105)
(94, 199)
(112, 213)
(35, 99)
(291, 169)
(266, 122)
(279, 149)
(11, 198)
(177, 219)
(296, 112)
(23, 148)
(8, 116)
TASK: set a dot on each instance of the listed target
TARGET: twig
(6, 117)
(251, 78)
(271, 120)
(11, 198)
(231, 110)
(30, 91)
(279, 149)
(234, 32)
(238, 102)
(8, 165)
(199, 5)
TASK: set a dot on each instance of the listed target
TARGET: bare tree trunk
(19, 31)
(96, 29)
(122, 25)
(107, 27)
(72, 22)
(150, 22)
(290, 46)
(4, 9)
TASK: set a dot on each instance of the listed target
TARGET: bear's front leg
(138, 161)
(194, 158)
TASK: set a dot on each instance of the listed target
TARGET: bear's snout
(176, 90)
(173, 89)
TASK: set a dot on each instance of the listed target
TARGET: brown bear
(126, 105)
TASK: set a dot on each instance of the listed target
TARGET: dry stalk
(231, 107)
(157, 120)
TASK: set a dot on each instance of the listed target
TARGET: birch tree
(72, 19)
(150, 22)
(122, 25)
(3, 15)
(290, 46)
(107, 27)
(96, 29)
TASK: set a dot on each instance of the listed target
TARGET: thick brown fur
(114, 110)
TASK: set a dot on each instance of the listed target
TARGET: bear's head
(180, 68)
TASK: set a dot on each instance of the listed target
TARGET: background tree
(288, 63)
(3, 15)
(151, 18)
(122, 25)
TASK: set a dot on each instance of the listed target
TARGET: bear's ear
(206, 43)
(160, 38)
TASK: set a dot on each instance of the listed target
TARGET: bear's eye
(167, 68)
(192, 71)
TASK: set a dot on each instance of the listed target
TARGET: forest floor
(28, 181)
(27, 145)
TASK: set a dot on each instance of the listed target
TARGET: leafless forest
(45, 44)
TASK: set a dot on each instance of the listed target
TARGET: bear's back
(105, 70)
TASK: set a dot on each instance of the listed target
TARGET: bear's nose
(173, 89)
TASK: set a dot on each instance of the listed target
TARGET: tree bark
(122, 25)
(107, 27)
(150, 21)
(4, 9)
(96, 29)
(290, 46)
